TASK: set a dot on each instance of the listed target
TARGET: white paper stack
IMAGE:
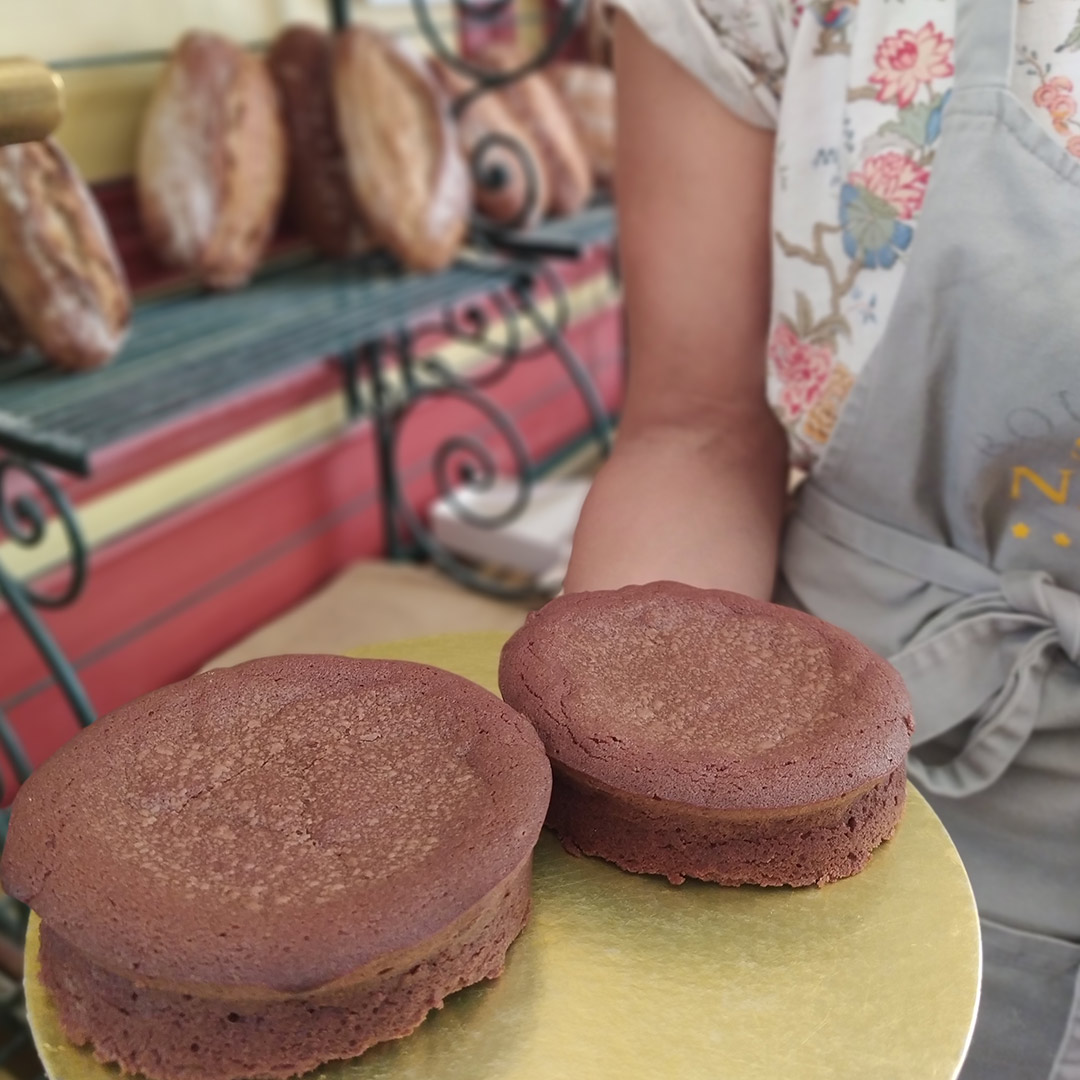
(536, 542)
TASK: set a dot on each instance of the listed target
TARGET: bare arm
(694, 491)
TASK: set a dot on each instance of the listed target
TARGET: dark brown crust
(13, 337)
(805, 846)
(300, 63)
(59, 271)
(195, 836)
(405, 165)
(169, 1035)
(536, 105)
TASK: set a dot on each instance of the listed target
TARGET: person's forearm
(674, 503)
(695, 489)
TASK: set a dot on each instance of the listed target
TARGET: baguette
(211, 163)
(59, 272)
(404, 161)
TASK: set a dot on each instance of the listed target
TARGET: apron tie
(980, 662)
(1036, 594)
(983, 660)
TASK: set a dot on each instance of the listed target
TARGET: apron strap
(985, 31)
(923, 559)
(982, 660)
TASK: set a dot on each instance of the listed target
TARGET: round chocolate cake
(698, 733)
(271, 866)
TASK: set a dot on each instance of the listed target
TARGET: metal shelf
(189, 351)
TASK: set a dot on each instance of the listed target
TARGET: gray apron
(942, 527)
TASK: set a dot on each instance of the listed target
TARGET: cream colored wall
(104, 103)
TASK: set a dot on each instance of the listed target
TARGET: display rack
(503, 298)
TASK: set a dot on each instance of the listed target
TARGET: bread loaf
(537, 106)
(495, 143)
(59, 271)
(211, 161)
(319, 192)
(588, 92)
(405, 164)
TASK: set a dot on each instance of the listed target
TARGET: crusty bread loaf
(535, 103)
(494, 141)
(211, 161)
(320, 195)
(405, 163)
(59, 271)
(588, 92)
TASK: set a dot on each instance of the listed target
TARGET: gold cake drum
(619, 976)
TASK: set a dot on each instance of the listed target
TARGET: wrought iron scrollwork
(570, 18)
(24, 519)
(527, 320)
(551, 333)
(489, 172)
(487, 160)
(464, 461)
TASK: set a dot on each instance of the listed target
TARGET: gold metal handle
(31, 100)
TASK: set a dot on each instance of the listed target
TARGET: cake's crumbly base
(169, 1035)
(805, 846)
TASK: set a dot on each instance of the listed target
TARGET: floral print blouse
(855, 91)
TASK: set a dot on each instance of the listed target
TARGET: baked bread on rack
(405, 164)
(495, 143)
(536, 105)
(320, 195)
(211, 161)
(62, 284)
(588, 91)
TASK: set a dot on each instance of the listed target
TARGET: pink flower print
(897, 179)
(802, 368)
(1073, 146)
(1055, 95)
(1052, 90)
(910, 59)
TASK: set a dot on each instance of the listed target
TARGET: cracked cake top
(278, 824)
(705, 697)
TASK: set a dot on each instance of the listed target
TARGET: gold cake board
(619, 977)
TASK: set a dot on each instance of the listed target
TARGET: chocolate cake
(702, 734)
(271, 866)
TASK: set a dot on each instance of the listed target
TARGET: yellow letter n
(1057, 495)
